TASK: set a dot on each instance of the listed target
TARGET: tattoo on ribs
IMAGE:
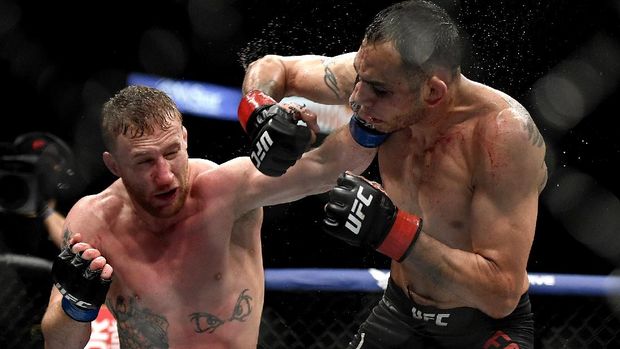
(139, 327)
(207, 322)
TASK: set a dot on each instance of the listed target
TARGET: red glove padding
(360, 213)
(277, 141)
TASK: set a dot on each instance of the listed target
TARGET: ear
(110, 163)
(184, 134)
(434, 90)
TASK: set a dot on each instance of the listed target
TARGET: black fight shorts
(397, 322)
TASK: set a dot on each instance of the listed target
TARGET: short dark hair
(422, 32)
(137, 110)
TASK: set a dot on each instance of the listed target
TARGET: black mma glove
(360, 213)
(277, 141)
(83, 290)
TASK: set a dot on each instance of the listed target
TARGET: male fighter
(461, 165)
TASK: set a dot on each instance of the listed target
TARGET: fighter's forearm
(471, 277)
(60, 331)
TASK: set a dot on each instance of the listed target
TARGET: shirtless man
(172, 247)
(461, 165)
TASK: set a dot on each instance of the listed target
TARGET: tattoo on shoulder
(208, 322)
(138, 327)
(533, 134)
(330, 78)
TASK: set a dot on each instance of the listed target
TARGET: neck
(451, 110)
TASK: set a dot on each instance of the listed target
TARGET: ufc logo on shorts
(356, 216)
(262, 147)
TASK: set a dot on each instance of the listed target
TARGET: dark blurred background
(59, 61)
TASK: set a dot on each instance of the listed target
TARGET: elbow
(267, 74)
(503, 302)
(501, 308)
(268, 60)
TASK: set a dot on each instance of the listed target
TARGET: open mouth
(166, 195)
(368, 121)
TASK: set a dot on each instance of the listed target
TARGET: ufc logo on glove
(356, 216)
(262, 147)
(359, 206)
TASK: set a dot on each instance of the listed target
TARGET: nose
(360, 97)
(162, 173)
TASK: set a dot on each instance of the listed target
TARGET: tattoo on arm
(330, 78)
(207, 322)
(66, 236)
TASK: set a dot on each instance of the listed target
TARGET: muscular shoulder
(94, 214)
(199, 166)
(223, 178)
(227, 184)
(511, 127)
(510, 144)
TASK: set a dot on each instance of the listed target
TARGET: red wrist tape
(249, 103)
(402, 236)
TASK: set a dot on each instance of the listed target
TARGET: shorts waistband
(395, 297)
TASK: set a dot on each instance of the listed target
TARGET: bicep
(82, 222)
(503, 225)
(505, 207)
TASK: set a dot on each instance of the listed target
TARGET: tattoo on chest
(208, 322)
(139, 327)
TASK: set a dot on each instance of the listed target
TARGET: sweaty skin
(180, 239)
(466, 158)
(192, 276)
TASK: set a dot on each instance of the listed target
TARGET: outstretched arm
(316, 172)
(326, 80)
(321, 79)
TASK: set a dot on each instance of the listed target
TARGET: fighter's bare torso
(437, 180)
(196, 284)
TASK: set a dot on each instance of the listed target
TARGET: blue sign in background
(197, 98)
